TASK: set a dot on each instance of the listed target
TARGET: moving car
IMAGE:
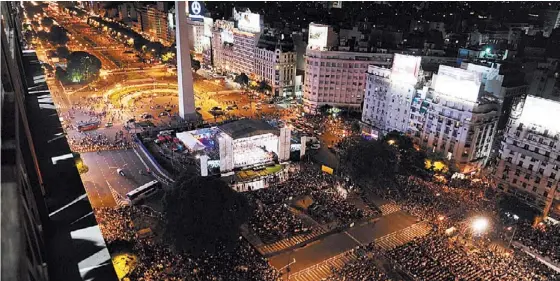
(165, 113)
(120, 172)
(109, 124)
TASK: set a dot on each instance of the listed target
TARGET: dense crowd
(93, 141)
(158, 262)
(276, 222)
(544, 239)
(365, 267)
(330, 206)
(436, 257)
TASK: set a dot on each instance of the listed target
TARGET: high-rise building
(154, 23)
(45, 210)
(334, 73)
(529, 157)
(234, 48)
(389, 94)
(275, 63)
(337, 78)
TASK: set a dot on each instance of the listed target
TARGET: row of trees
(243, 80)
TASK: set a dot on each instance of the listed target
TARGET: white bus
(143, 191)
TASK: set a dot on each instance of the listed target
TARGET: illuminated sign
(196, 10)
(208, 23)
(247, 21)
(541, 112)
(458, 83)
(405, 69)
(318, 35)
(327, 169)
(227, 36)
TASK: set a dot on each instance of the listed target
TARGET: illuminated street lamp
(480, 224)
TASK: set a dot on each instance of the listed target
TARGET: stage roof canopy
(247, 128)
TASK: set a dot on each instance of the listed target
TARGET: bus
(143, 191)
(88, 126)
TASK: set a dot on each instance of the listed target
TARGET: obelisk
(184, 69)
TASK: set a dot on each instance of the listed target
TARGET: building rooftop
(247, 128)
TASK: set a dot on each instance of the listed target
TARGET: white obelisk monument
(184, 68)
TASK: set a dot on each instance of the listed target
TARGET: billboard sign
(458, 83)
(405, 69)
(318, 35)
(227, 36)
(208, 23)
(249, 22)
(196, 10)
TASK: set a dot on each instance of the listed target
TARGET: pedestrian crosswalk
(325, 268)
(119, 200)
(291, 241)
(389, 208)
(403, 236)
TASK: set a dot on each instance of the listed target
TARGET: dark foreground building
(48, 228)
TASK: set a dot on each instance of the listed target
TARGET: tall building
(455, 115)
(45, 210)
(154, 22)
(275, 63)
(460, 118)
(234, 48)
(196, 36)
(337, 78)
(389, 94)
(529, 157)
(332, 76)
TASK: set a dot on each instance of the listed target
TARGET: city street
(102, 175)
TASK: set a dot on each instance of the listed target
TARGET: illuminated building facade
(275, 63)
(529, 157)
(154, 23)
(234, 48)
(337, 78)
(389, 95)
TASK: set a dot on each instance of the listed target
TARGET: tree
(264, 87)
(61, 74)
(58, 35)
(47, 22)
(62, 52)
(195, 65)
(43, 35)
(242, 79)
(203, 214)
(325, 108)
(355, 127)
(411, 160)
(369, 162)
(82, 67)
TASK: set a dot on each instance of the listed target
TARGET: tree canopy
(242, 79)
(203, 214)
(47, 22)
(264, 87)
(62, 51)
(369, 162)
(82, 67)
(57, 35)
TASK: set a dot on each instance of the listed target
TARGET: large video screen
(318, 36)
(405, 68)
(249, 22)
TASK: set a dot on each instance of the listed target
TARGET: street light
(480, 224)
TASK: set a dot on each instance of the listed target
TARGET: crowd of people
(544, 239)
(94, 141)
(156, 261)
(276, 222)
(436, 257)
(329, 206)
(365, 267)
